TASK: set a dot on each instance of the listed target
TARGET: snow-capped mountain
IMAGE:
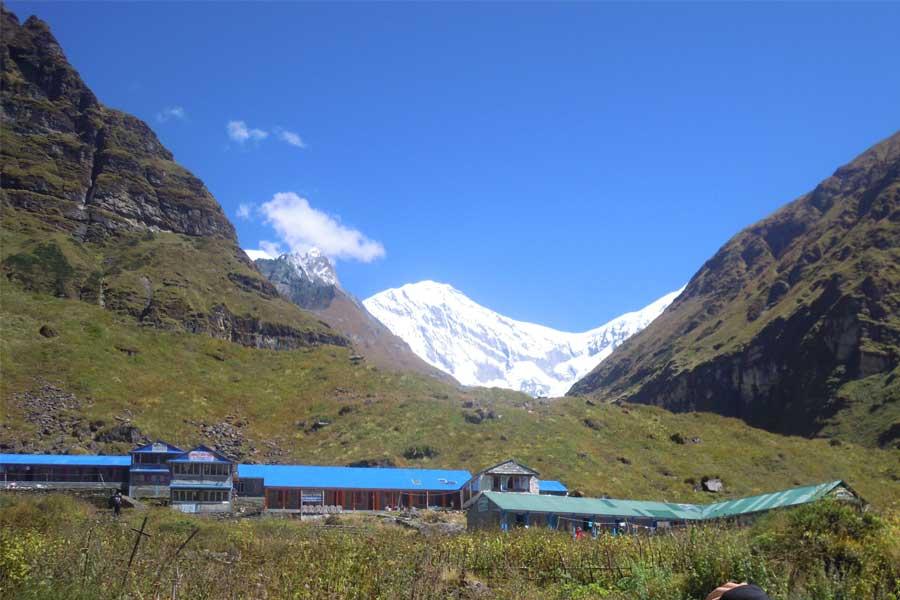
(315, 266)
(481, 347)
(308, 279)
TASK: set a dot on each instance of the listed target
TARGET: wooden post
(137, 541)
(426, 499)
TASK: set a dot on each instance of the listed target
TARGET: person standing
(117, 503)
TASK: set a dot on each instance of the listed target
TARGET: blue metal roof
(549, 485)
(159, 447)
(74, 460)
(201, 454)
(361, 478)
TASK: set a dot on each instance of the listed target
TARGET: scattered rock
(696, 440)
(373, 463)
(712, 485)
(48, 332)
(124, 432)
(677, 438)
(224, 437)
(593, 424)
(318, 424)
(590, 403)
(473, 417)
(345, 410)
(623, 460)
(479, 414)
(420, 452)
(127, 351)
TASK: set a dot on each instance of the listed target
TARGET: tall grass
(59, 547)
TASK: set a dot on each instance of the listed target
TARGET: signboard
(312, 497)
(201, 455)
(159, 448)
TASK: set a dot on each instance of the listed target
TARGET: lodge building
(504, 496)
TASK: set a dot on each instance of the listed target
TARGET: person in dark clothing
(117, 503)
(738, 591)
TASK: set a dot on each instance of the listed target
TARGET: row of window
(216, 469)
(149, 458)
(150, 479)
(199, 496)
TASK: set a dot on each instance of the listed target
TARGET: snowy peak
(481, 347)
(313, 265)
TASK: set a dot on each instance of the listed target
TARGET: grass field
(59, 547)
(170, 384)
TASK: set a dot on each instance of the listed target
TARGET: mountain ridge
(479, 346)
(95, 208)
(310, 281)
(792, 325)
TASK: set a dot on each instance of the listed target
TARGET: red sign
(201, 455)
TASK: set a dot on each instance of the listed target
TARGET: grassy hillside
(94, 207)
(267, 406)
(794, 324)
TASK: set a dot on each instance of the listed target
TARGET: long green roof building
(512, 509)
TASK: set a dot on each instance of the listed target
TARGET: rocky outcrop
(86, 168)
(99, 211)
(309, 280)
(792, 322)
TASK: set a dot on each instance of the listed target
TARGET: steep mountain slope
(310, 281)
(480, 347)
(95, 208)
(794, 324)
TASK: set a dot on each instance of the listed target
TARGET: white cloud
(303, 227)
(289, 137)
(171, 112)
(266, 250)
(244, 210)
(271, 248)
(257, 254)
(240, 133)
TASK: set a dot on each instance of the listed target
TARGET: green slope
(794, 324)
(181, 387)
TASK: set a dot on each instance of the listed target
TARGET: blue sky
(558, 163)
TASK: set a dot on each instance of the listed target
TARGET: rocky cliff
(794, 324)
(309, 280)
(94, 207)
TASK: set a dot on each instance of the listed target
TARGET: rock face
(309, 280)
(792, 325)
(87, 168)
(306, 279)
(95, 208)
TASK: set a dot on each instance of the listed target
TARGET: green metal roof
(752, 504)
(594, 506)
(666, 511)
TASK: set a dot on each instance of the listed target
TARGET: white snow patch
(481, 347)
